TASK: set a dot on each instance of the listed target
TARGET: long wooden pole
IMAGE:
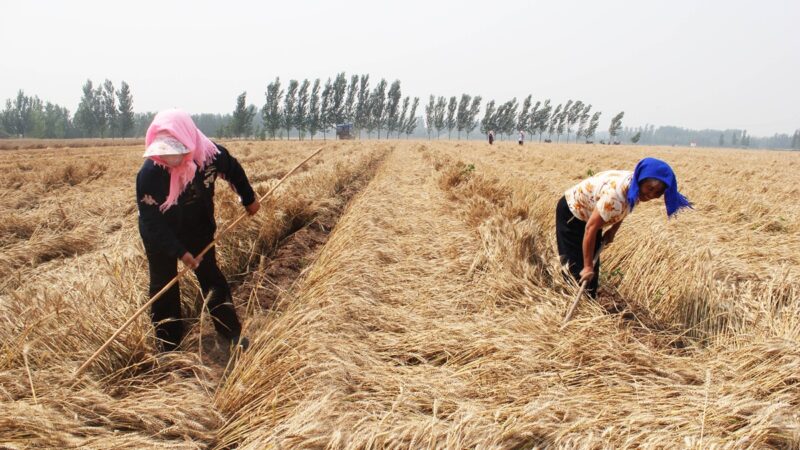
(183, 271)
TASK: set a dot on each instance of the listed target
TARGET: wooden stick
(571, 311)
(574, 305)
(163, 290)
(28, 369)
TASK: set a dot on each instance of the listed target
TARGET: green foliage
(636, 137)
(313, 110)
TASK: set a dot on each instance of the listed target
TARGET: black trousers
(166, 311)
(569, 235)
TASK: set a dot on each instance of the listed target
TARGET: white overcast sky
(698, 64)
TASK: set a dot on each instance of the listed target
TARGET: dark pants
(569, 235)
(166, 311)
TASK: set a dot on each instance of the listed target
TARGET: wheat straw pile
(430, 318)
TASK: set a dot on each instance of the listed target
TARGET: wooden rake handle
(183, 271)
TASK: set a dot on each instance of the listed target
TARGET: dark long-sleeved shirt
(193, 215)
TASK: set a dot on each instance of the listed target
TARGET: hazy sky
(698, 64)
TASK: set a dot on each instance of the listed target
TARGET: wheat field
(407, 294)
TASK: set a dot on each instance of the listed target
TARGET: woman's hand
(587, 274)
(190, 261)
(253, 208)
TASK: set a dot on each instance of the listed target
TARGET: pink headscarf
(178, 124)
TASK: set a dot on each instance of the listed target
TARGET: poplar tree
(125, 110)
(301, 110)
(439, 115)
(289, 103)
(401, 121)
(85, 117)
(462, 116)
(452, 105)
(325, 108)
(362, 107)
(472, 114)
(593, 123)
(615, 126)
(349, 102)
(430, 110)
(583, 120)
(487, 123)
(530, 125)
(241, 123)
(313, 110)
(562, 120)
(554, 118)
(524, 114)
(411, 123)
(271, 113)
(110, 109)
(573, 115)
(337, 103)
(377, 106)
(393, 108)
(543, 118)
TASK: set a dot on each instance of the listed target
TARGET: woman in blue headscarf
(603, 201)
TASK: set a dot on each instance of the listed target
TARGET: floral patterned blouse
(606, 191)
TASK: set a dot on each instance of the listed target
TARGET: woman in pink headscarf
(175, 195)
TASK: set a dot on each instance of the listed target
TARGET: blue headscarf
(655, 168)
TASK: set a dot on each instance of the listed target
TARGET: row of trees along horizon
(306, 109)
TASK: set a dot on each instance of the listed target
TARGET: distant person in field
(521, 137)
(604, 200)
(491, 137)
(175, 195)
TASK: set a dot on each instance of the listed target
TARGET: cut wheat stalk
(183, 271)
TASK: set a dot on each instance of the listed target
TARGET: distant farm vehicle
(344, 131)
